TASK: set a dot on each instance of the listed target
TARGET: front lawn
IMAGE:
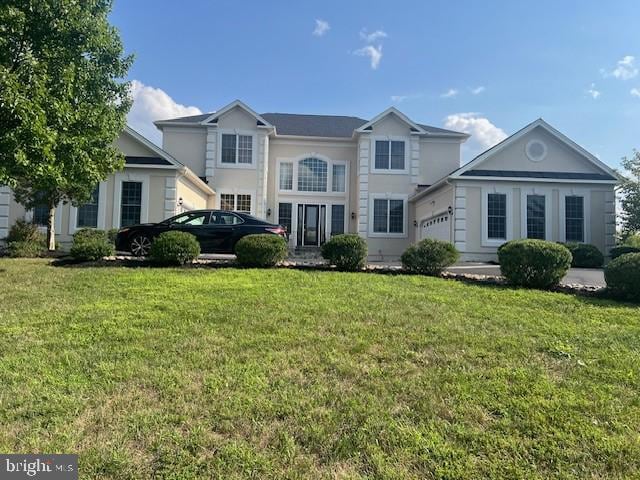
(226, 373)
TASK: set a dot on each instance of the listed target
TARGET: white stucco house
(390, 179)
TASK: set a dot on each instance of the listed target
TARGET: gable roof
(213, 118)
(462, 171)
(309, 125)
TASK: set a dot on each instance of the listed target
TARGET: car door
(195, 223)
(223, 226)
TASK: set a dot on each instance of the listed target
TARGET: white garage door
(437, 227)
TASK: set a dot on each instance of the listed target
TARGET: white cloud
(625, 69)
(150, 104)
(635, 92)
(593, 92)
(373, 36)
(322, 27)
(477, 90)
(483, 133)
(452, 92)
(402, 98)
(374, 53)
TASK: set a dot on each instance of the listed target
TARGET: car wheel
(140, 245)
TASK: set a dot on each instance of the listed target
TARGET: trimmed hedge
(174, 248)
(623, 276)
(534, 263)
(25, 249)
(429, 256)
(91, 249)
(633, 240)
(622, 250)
(261, 250)
(585, 255)
(348, 252)
(85, 234)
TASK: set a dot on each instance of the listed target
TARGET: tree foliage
(62, 99)
(630, 195)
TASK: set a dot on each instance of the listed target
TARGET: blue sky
(487, 68)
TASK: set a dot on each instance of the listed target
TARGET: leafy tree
(62, 100)
(630, 195)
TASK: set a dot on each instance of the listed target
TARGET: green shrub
(622, 250)
(85, 234)
(429, 256)
(112, 233)
(174, 248)
(533, 263)
(623, 276)
(25, 249)
(23, 231)
(585, 255)
(262, 250)
(633, 240)
(348, 252)
(91, 249)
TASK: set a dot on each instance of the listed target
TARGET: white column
(170, 197)
(610, 221)
(415, 159)
(364, 149)
(211, 152)
(5, 199)
(262, 172)
(460, 218)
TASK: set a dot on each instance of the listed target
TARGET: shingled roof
(305, 125)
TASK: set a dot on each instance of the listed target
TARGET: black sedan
(217, 231)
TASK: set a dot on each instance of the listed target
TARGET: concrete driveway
(583, 276)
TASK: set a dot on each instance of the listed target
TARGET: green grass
(204, 373)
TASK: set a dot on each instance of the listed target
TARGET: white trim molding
(117, 194)
(102, 211)
(508, 192)
(170, 197)
(364, 150)
(548, 210)
(390, 171)
(405, 214)
(586, 202)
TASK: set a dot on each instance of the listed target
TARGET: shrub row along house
(389, 179)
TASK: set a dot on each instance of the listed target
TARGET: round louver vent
(536, 150)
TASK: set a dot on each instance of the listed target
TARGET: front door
(311, 224)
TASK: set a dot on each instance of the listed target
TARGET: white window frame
(328, 227)
(102, 211)
(388, 196)
(235, 193)
(293, 234)
(496, 242)
(330, 163)
(237, 132)
(548, 219)
(293, 175)
(390, 171)
(117, 194)
(586, 199)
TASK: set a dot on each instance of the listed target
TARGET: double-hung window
(389, 155)
(40, 215)
(339, 177)
(284, 215)
(286, 176)
(337, 219)
(131, 203)
(497, 216)
(574, 218)
(388, 216)
(536, 216)
(235, 202)
(88, 213)
(236, 149)
(312, 175)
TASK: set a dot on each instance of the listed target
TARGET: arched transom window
(312, 175)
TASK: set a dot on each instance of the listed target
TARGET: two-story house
(389, 179)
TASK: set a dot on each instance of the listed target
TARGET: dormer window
(237, 149)
(390, 155)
